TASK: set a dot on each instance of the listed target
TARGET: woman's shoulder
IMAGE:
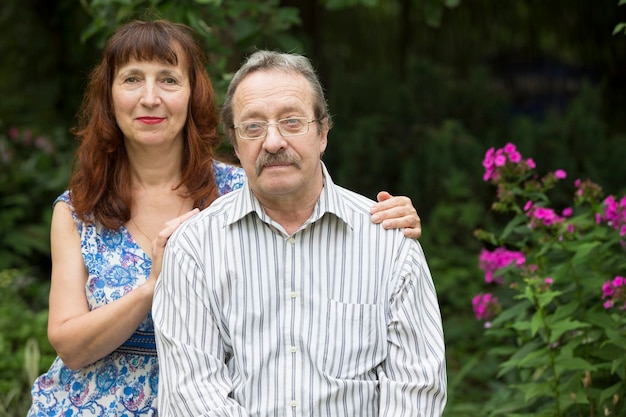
(64, 197)
(228, 177)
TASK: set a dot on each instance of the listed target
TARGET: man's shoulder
(215, 214)
(223, 205)
(354, 201)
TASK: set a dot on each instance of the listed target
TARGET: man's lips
(150, 120)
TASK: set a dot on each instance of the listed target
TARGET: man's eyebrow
(255, 114)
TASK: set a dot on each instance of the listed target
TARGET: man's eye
(292, 123)
(253, 127)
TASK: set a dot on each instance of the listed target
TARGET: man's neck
(292, 211)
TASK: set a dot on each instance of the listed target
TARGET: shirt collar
(329, 201)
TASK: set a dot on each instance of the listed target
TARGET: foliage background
(419, 90)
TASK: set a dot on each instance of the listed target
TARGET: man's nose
(274, 140)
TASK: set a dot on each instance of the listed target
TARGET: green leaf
(572, 364)
(546, 298)
(565, 326)
(608, 393)
(601, 319)
(535, 390)
(513, 224)
(536, 322)
(563, 311)
(619, 27)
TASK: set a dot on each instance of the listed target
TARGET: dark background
(419, 90)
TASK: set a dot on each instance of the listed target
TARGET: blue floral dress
(123, 383)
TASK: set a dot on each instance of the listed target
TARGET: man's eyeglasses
(257, 129)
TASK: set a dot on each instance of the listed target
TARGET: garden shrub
(554, 302)
(24, 348)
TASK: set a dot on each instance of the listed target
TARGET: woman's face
(150, 101)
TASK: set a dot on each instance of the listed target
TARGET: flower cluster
(543, 307)
(485, 307)
(25, 141)
(614, 292)
(490, 262)
(587, 192)
(614, 214)
(506, 161)
(544, 216)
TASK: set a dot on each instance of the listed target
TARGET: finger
(383, 195)
(180, 219)
(406, 214)
(172, 225)
(413, 232)
(392, 202)
(411, 224)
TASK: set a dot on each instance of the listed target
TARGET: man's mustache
(282, 157)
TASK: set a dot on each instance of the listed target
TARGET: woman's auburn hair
(100, 187)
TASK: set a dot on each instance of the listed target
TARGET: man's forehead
(276, 90)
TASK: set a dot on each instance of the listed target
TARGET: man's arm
(193, 377)
(413, 377)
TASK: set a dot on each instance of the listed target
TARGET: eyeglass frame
(267, 125)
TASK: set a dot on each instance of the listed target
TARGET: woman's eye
(131, 80)
(169, 81)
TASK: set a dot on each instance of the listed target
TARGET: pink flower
(548, 281)
(500, 160)
(491, 262)
(528, 205)
(530, 163)
(567, 212)
(614, 292)
(515, 157)
(614, 214)
(510, 148)
(560, 174)
(543, 216)
(13, 133)
(485, 306)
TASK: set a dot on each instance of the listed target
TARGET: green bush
(24, 348)
(34, 171)
(554, 305)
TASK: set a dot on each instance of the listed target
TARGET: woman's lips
(150, 120)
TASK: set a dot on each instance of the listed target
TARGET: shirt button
(293, 294)
(292, 240)
(293, 404)
(293, 349)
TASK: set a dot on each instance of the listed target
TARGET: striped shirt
(338, 319)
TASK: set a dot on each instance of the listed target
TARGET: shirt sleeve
(413, 377)
(193, 376)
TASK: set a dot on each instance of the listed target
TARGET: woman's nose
(150, 95)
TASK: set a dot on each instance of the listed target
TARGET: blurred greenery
(419, 90)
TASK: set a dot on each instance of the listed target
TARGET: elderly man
(283, 298)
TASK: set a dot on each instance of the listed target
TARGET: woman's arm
(79, 335)
(397, 213)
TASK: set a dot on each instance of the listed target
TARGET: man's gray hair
(264, 60)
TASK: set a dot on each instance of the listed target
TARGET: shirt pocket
(354, 343)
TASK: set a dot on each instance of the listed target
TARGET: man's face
(279, 167)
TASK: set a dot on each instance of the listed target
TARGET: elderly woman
(146, 162)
